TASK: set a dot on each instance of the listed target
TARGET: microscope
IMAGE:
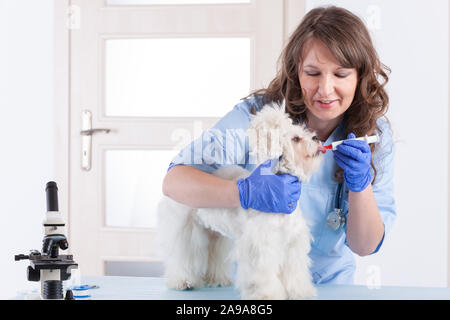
(49, 267)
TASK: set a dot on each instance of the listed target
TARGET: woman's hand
(268, 192)
(354, 157)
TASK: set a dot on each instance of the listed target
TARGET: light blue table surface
(141, 288)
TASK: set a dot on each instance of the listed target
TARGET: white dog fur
(200, 245)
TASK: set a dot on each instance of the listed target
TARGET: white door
(156, 76)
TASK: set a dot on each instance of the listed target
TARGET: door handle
(86, 138)
(90, 132)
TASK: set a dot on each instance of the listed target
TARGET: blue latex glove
(265, 191)
(354, 157)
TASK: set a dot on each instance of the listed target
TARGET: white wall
(26, 132)
(411, 37)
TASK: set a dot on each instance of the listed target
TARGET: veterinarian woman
(329, 77)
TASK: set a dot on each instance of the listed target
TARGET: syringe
(333, 145)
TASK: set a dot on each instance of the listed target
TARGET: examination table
(139, 288)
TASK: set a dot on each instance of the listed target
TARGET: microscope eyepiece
(52, 196)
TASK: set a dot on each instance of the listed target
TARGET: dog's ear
(265, 142)
(266, 132)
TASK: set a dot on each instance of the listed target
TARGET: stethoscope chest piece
(335, 220)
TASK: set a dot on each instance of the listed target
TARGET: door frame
(293, 12)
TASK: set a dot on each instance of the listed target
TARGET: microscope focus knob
(63, 244)
(33, 275)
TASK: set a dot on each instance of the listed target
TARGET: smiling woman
(328, 88)
(329, 73)
(328, 77)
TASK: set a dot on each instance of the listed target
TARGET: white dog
(199, 245)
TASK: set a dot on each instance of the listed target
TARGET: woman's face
(327, 87)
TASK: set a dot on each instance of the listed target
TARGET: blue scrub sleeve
(224, 144)
(383, 188)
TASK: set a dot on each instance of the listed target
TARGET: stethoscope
(337, 218)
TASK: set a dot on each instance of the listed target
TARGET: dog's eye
(296, 139)
(315, 138)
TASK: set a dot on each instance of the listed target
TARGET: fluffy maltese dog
(200, 245)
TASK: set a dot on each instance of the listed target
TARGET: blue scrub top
(332, 260)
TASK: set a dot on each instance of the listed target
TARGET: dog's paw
(217, 281)
(264, 292)
(181, 284)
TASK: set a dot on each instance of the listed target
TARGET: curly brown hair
(348, 39)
